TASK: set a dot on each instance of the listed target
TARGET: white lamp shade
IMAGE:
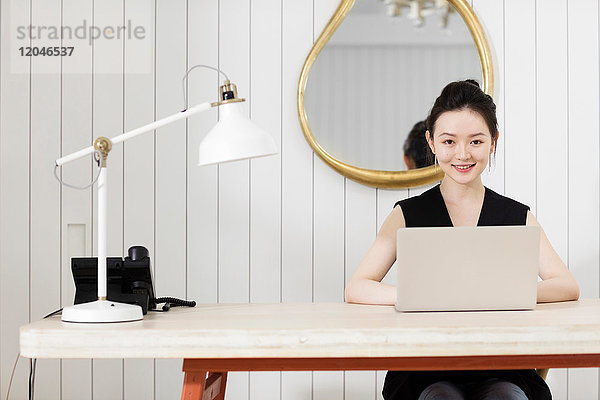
(234, 137)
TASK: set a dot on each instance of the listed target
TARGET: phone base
(102, 311)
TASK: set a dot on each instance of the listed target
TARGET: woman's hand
(558, 284)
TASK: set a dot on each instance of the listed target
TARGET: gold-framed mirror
(341, 139)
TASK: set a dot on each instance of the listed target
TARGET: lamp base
(102, 311)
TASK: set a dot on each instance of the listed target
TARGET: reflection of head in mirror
(416, 151)
(462, 130)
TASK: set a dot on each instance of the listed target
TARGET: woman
(462, 133)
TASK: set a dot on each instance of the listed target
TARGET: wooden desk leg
(193, 385)
(197, 386)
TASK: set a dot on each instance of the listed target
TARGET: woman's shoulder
(424, 210)
(502, 210)
(503, 200)
(428, 196)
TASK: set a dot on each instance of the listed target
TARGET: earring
(435, 162)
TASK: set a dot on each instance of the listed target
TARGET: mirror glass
(380, 73)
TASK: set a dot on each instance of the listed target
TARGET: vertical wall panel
(108, 121)
(203, 48)
(15, 131)
(328, 385)
(491, 16)
(296, 171)
(234, 184)
(360, 230)
(328, 236)
(45, 190)
(328, 198)
(265, 184)
(520, 84)
(552, 145)
(76, 208)
(265, 173)
(170, 171)
(138, 167)
(583, 161)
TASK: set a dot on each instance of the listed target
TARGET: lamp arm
(138, 131)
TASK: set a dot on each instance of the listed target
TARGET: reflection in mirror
(379, 74)
(417, 153)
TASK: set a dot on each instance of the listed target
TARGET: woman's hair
(465, 95)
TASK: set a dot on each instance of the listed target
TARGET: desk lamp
(234, 137)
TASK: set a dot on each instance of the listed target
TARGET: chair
(543, 372)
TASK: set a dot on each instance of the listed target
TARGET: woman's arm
(558, 284)
(365, 284)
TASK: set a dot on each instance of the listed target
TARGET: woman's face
(462, 143)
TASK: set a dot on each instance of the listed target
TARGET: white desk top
(321, 330)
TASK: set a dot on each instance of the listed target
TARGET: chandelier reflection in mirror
(417, 10)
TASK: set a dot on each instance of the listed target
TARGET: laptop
(467, 268)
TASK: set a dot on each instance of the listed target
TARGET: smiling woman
(462, 133)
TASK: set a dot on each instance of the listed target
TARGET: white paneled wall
(283, 228)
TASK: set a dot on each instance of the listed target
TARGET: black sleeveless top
(429, 210)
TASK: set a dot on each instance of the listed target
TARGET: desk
(214, 339)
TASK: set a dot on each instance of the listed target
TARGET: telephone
(129, 280)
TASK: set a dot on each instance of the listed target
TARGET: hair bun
(472, 82)
(460, 95)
